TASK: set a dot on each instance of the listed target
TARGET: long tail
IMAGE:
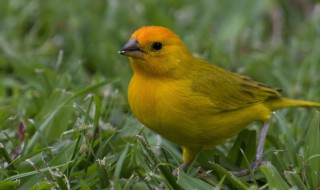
(274, 104)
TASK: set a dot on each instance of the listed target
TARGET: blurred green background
(64, 118)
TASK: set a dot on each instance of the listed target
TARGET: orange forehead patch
(147, 34)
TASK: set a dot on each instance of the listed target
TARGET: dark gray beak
(132, 49)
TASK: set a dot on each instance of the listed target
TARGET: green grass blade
(84, 186)
(42, 127)
(96, 117)
(295, 180)
(27, 174)
(235, 181)
(188, 182)
(312, 147)
(116, 177)
(166, 172)
(274, 179)
(5, 185)
(290, 143)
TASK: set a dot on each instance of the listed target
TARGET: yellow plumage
(189, 101)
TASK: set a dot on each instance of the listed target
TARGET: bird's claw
(255, 164)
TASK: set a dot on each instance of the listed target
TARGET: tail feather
(279, 103)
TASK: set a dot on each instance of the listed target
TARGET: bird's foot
(255, 164)
(183, 166)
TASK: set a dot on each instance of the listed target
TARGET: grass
(65, 122)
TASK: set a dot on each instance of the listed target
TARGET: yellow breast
(172, 109)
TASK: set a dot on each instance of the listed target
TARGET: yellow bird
(191, 102)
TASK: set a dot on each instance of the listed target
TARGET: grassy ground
(64, 118)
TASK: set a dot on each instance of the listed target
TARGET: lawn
(65, 122)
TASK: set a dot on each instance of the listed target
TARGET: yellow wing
(229, 91)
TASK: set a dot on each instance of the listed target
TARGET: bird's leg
(189, 155)
(258, 157)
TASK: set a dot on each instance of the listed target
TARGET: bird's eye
(156, 46)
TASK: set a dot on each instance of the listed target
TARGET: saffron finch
(191, 102)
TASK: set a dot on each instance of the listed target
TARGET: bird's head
(155, 50)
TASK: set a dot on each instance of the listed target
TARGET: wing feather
(229, 91)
